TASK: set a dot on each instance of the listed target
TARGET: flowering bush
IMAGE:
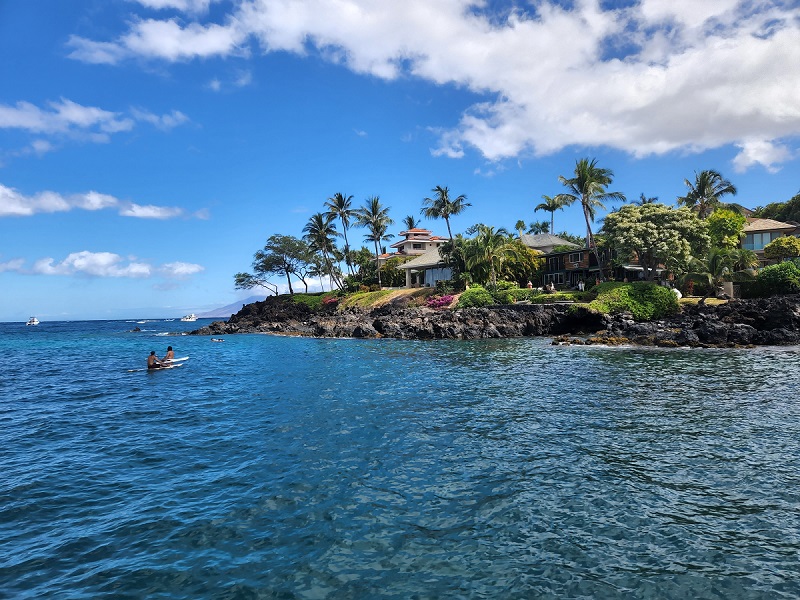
(439, 301)
(330, 300)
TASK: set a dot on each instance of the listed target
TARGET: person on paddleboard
(153, 362)
(169, 355)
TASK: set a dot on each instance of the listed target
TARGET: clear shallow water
(275, 467)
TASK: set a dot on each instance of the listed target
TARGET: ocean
(298, 468)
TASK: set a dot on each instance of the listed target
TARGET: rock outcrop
(738, 323)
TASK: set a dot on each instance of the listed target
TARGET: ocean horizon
(292, 467)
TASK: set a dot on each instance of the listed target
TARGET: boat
(32, 321)
(191, 317)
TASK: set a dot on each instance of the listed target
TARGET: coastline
(737, 323)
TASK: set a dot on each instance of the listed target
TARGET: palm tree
(551, 205)
(538, 227)
(376, 219)
(320, 233)
(718, 266)
(410, 222)
(645, 200)
(589, 187)
(705, 193)
(340, 206)
(442, 207)
(488, 250)
(520, 227)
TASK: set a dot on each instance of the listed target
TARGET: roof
(754, 225)
(543, 240)
(431, 258)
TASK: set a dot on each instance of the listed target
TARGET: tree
(645, 200)
(551, 205)
(522, 263)
(320, 233)
(281, 255)
(442, 207)
(705, 192)
(520, 227)
(375, 217)
(715, 268)
(538, 227)
(589, 187)
(410, 222)
(341, 207)
(787, 246)
(488, 250)
(726, 228)
(780, 211)
(655, 234)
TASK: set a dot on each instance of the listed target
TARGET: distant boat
(32, 321)
(191, 317)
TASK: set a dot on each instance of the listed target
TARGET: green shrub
(645, 301)
(313, 301)
(507, 296)
(783, 278)
(503, 286)
(364, 299)
(445, 287)
(475, 297)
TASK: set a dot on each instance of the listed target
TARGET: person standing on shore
(153, 362)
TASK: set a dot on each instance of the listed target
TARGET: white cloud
(15, 204)
(95, 264)
(649, 78)
(15, 264)
(103, 264)
(163, 122)
(191, 6)
(761, 152)
(180, 269)
(150, 211)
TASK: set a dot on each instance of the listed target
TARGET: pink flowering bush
(330, 300)
(439, 301)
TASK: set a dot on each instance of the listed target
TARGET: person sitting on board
(153, 362)
(169, 356)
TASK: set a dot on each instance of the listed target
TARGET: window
(576, 257)
(556, 278)
(757, 241)
(554, 263)
(416, 246)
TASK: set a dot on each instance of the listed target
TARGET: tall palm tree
(341, 207)
(705, 193)
(520, 227)
(375, 217)
(442, 207)
(551, 205)
(588, 186)
(410, 222)
(320, 233)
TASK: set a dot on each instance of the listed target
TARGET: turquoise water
(279, 467)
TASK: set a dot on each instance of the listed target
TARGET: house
(760, 232)
(566, 268)
(544, 242)
(414, 243)
(426, 269)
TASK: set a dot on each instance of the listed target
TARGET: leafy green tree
(551, 205)
(520, 227)
(655, 234)
(787, 246)
(320, 233)
(588, 187)
(341, 207)
(522, 264)
(281, 255)
(726, 228)
(454, 254)
(780, 211)
(375, 218)
(441, 206)
(705, 192)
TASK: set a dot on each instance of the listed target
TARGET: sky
(149, 147)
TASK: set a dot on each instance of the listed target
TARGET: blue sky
(149, 147)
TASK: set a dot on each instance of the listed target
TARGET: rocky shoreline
(768, 321)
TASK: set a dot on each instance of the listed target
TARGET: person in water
(153, 362)
(169, 355)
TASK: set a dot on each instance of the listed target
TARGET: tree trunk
(449, 233)
(377, 264)
(347, 251)
(590, 242)
(289, 281)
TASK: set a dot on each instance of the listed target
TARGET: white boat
(32, 321)
(191, 317)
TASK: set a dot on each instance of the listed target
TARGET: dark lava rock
(738, 323)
